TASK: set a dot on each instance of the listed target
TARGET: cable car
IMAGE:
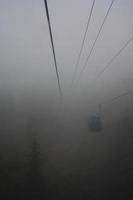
(95, 123)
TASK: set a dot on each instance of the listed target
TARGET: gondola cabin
(95, 123)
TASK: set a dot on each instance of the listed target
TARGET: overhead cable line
(98, 34)
(114, 58)
(83, 41)
(52, 44)
(119, 96)
(122, 95)
(129, 92)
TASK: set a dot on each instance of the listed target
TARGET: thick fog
(79, 146)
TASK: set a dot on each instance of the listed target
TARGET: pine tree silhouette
(35, 183)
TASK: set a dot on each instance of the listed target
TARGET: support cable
(114, 58)
(53, 49)
(98, 35)
(83, 42)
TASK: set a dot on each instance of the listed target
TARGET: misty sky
(25, 51)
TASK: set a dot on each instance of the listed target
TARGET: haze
(47, 148)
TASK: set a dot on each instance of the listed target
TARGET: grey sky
(25, 51)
